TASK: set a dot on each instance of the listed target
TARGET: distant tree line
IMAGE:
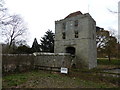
(107, 45)
(46, 45)
(13, 29)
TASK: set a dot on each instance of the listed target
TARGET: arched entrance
(70, 50)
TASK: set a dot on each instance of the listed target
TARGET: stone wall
(17, 62)
(52, 60)
(24, 62)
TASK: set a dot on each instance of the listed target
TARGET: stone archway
(70, 50)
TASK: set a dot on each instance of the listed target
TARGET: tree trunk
(109, 57)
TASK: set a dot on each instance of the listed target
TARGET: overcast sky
(40, 15)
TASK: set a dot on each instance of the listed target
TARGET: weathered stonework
(25, 62)
(17, 62)
(53, 60)
(76, 34)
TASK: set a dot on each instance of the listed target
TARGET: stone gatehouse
(75, 45)
(76, 34)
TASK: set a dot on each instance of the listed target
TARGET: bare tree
(3, 12)
(4, 17)
(14, 30)
(115, 3)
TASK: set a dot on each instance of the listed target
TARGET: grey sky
(41, 14)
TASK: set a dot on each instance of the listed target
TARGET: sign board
(64, 70)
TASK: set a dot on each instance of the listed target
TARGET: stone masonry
(76, 34)
(26, 62)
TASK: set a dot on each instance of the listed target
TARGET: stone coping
(38, 54)
(17, 54)
(50, 54)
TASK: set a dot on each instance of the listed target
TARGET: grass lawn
(47, 79)
(75, 78)
(105, 61)
(106, 64)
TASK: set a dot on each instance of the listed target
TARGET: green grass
(104, 63)
(89, 84)
(80, 78)
(107, 62)
(47, 79)
(15, 79)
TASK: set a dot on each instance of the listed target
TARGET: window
(63, 35)
(64, 25)
(76, 23)
(76, 34)
(70, 50)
